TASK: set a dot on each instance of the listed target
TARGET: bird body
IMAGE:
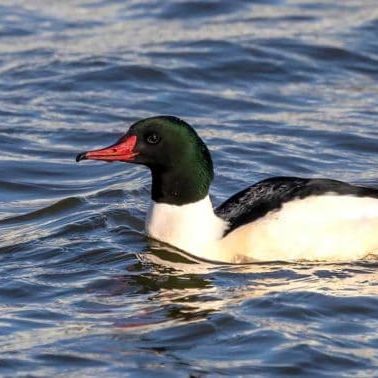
(281, 218)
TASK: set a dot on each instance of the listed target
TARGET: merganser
(277, 219)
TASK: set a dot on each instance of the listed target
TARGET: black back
(270, 194)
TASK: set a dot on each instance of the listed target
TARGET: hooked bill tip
(81, 156)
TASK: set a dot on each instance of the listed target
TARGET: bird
(277, 219)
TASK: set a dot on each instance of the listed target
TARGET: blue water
(275, 88)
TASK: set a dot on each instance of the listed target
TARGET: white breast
(318, 228)
(189, 227)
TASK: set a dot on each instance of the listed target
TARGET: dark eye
(153, 138)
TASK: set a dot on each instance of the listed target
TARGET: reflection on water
(275, 88)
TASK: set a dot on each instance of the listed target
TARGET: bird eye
(153, 138)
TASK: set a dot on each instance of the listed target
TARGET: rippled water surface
(275, 88)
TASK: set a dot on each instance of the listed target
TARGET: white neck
(188, 227)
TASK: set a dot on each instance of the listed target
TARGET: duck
(276, 219)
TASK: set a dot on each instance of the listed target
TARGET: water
(275, 88)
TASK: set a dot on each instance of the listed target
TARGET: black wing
(268, 195)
